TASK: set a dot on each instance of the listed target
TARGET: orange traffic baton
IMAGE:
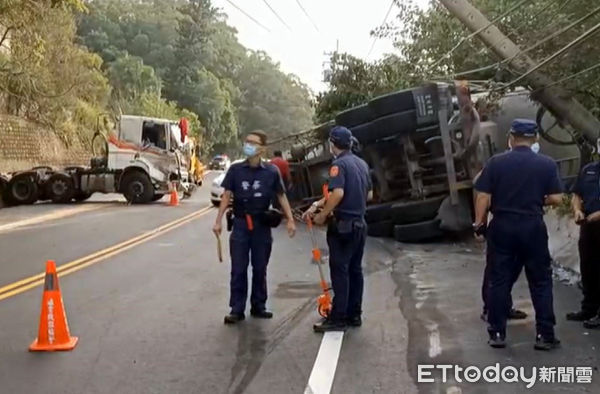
(53, 332)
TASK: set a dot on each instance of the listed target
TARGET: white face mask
(535, 147)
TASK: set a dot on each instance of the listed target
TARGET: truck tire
(381, 229)
(417, 232)
(379, 212)
(391, 103)
(387, 126)
(416, 211)
(22, 189)
(81, 196)
(137, 188)
(354, 116)
(157, 196)
(60, 188)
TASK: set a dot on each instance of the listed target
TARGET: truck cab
(145, 157)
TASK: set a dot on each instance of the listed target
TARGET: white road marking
(323, 372)
(51, 216)
(435, 345)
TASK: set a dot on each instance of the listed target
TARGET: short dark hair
(260, 134)
(277, 153)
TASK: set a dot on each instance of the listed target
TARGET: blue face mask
(250, 149)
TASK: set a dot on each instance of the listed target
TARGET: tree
(130, 78)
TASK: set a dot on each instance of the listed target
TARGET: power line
(248, 15)
(307, 15)
(549, 59)
(475, 33)
(383, 23)
(277, 15)
(573, 76)
(532, 47)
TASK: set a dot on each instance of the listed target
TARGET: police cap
(524, 128)
(341, 137)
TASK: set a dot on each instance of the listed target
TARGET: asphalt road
(149, 318)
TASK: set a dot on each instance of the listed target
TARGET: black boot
(593, 323)
(516, 314)
(330, 325)
(234, 318)
(580, 316)
(546, 344)
(355, 321)
(261, 314)
(497, 340)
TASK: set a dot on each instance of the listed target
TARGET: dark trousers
(589, 260)
(345, 264)
(485, 286)
(248, 247)
(514, 242)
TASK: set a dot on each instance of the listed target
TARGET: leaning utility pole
(556, 99)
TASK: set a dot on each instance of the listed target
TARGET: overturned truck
(424, 146)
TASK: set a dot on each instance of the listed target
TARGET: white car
(216, 190)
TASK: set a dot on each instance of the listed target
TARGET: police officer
(586, 209)
(350, 188)
(252, 184)
(515, 186)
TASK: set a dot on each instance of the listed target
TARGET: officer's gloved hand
(480, 230)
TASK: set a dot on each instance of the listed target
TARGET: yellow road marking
(76, 265)
(52, 216)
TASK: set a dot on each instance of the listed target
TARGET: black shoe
(355, 321)
(580, 316)
(496, 340)
(546, 344)
(234, 318)
(516, 314)
(330, 325)
(264, 314)
(593, 323)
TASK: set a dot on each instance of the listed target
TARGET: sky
(302, 49)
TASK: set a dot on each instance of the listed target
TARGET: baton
(219, 248)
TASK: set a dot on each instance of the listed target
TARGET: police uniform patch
(334, 171)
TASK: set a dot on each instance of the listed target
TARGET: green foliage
(201, 65)
(425, 36)
(130, 78)
(44, 77)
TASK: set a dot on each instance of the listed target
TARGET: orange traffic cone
(54, 329)
(174, 200)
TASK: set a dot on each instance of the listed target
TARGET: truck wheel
(60, 188)
(381, 229)
(417, 232)
(157, 196)
(378, 213)
(416, 211)
(81, 196)
(216, 203)
(393, 102)
(137, 188)
(22, 189)
(354, 116)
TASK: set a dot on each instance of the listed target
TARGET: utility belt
(269, 218)
(344, 226)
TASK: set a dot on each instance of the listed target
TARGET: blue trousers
(345, 266)
(517, 241)
(247, 247)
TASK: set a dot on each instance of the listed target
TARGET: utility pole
(557, 100)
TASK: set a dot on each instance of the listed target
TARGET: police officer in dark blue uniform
(586, 209)
(252, 184)
(515, 186)
(350, 189)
